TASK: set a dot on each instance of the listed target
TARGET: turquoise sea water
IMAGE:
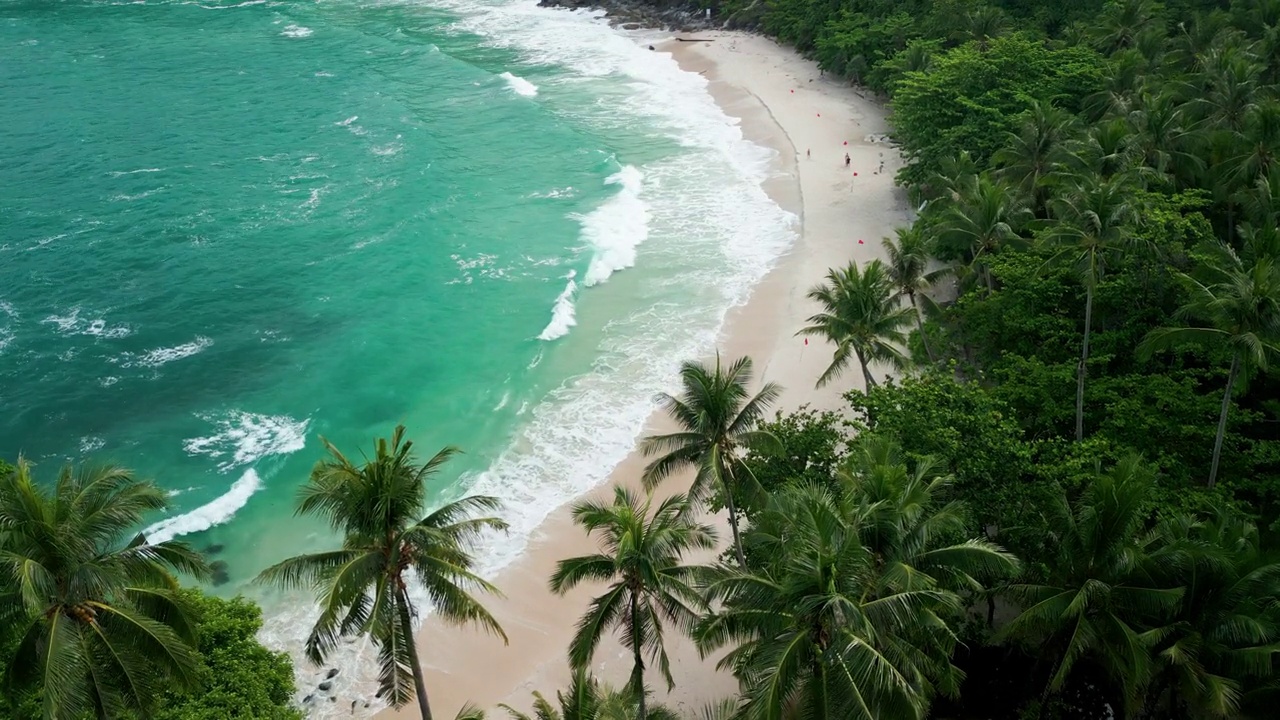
(227, 229)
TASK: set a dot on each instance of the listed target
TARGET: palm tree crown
(101, 622)
(718, 419)
(850, 616)
(641, 549)
(861, 317)
(1239, 307)
(363, 588)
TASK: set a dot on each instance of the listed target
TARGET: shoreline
(783, 103)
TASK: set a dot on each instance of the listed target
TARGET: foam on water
(211, 514)
(562, 313)
(615, 229)
(241, 438)
(519, 85)
(161, 356)
(296, 31)
(73, 324)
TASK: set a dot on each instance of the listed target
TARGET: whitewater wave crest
(519, 85)
(616, 228)
(563, 314)
(73, 324)
(213, 513)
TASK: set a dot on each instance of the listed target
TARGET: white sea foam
(72, 323)
(161, 356)
(555, 193)
(215, 512)
(519, 85)
(8, 309)
(616, 228)
(122, 173)
(348, 121)
(6, 337)
(241, 438)
(91, 443)
(562, 313)
(296, 31)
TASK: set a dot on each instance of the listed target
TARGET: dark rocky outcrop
(674, 15)
(324, 686)
(333, 673)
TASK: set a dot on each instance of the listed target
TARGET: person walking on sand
(808, 153)
(847, 160)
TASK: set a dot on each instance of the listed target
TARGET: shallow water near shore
(231, 228)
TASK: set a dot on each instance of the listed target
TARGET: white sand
(785, 105)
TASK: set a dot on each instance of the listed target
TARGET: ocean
(228, 229)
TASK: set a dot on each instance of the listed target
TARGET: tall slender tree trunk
(419, 685)
(637, 672)
(733, 522)
(1222, 418)
(1082, 370)
(821, 703)
(924, 339)
(866, 372)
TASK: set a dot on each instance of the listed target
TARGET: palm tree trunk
(1222, 418)
(733, 522)
(866, 373)
(1084, 360)
(419, 685)
(821, 703)
(637, 672)
(924, 339)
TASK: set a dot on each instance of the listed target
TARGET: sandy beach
(811, 121)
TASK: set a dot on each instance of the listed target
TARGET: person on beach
(808, 153)
(847, 160)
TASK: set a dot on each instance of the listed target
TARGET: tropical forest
(1057, 497)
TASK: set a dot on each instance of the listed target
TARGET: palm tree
(1029, 156)
(363, 588)
(1098, 600)
(851, 616)
(1096, 223)
(589, 699)
(861, 317)
(1240, 306)
(979, 224)
(908, 272)
(719, 420)
(101, 623)
(1226, 627)
(641, 554)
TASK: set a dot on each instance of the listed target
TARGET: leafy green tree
(363, 588)
(588, 699)
(239, 678)
(861, 317)
(1240, 308)
(973, 96)
(810, 445)
(1028, 157)
(718, 420)
(849, 616)
(101, 623)
(642, 547)
(1099, 600)
(1096, 221)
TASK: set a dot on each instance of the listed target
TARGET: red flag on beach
(861, 243)
(855, 174)
(846, 142)
(819, 114)
(806, 341)
(793, 92)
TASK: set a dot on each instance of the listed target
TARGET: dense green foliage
(67, 558)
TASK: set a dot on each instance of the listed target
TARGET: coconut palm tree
(1029, 156)
(1240, 308)
(982, 221)
(850, 616)
(718, 421)
(588, 699)
(861, 317)
(1099, 599)
(388, 543)
(641, 549)
(908, 270)
(1097, 218)
(1227, 626)
(101, 623)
